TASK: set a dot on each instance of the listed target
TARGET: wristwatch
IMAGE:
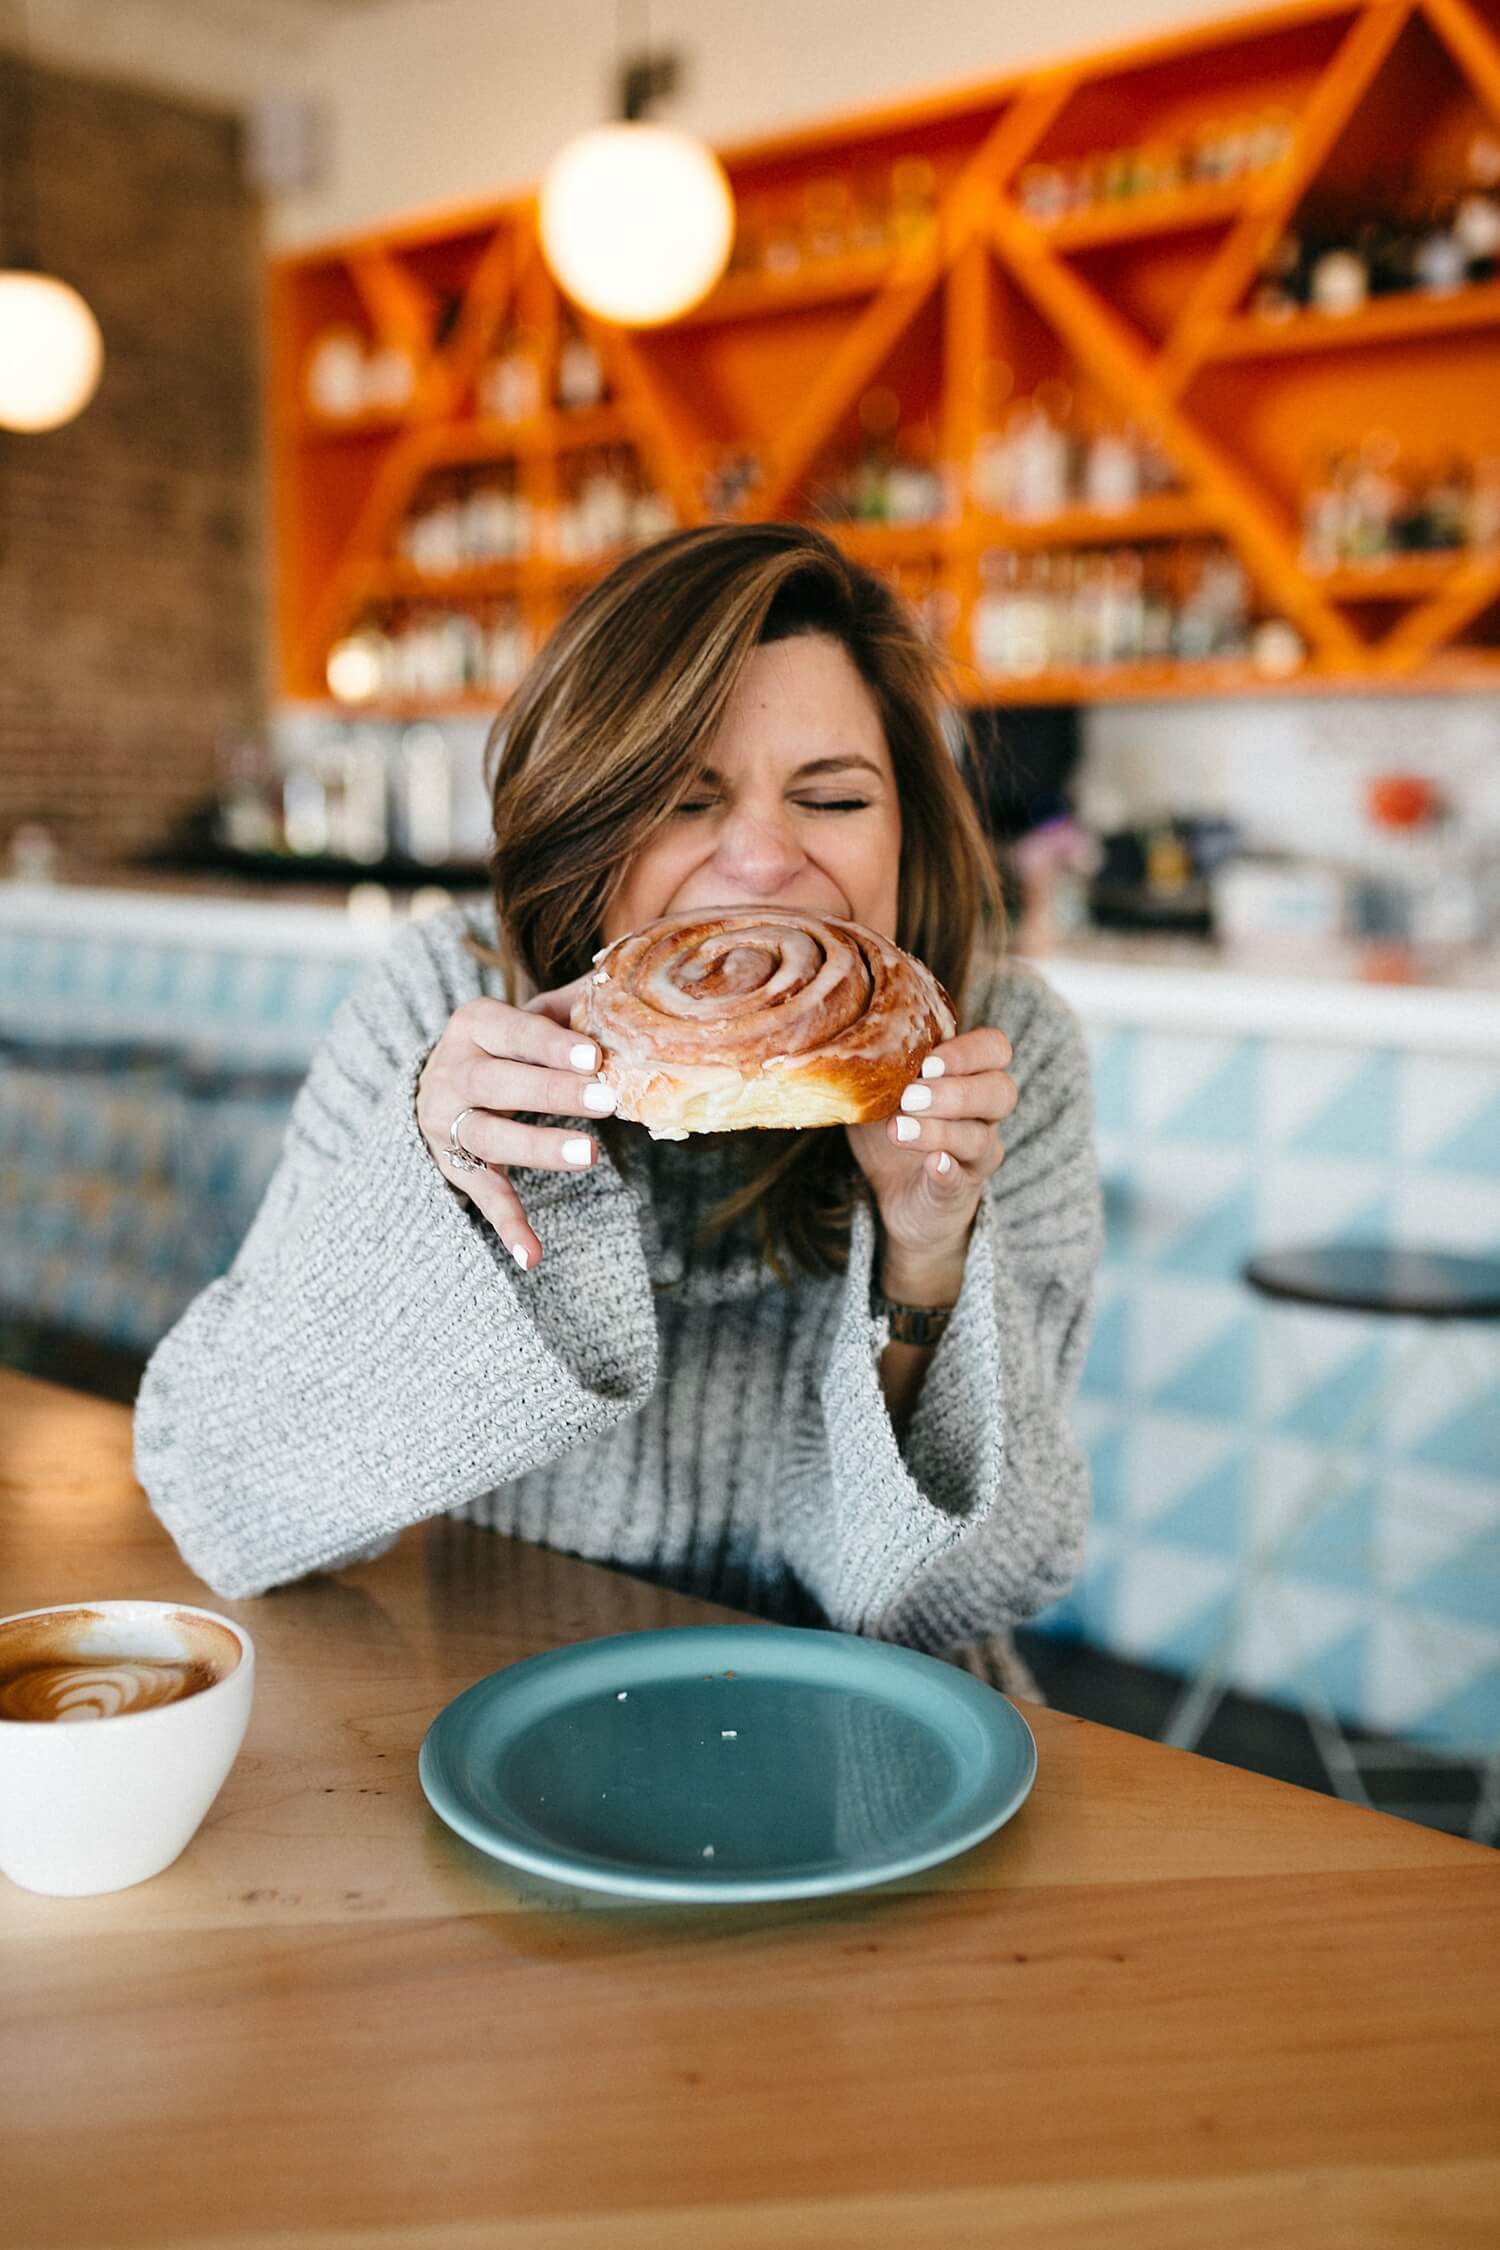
(912, 1324)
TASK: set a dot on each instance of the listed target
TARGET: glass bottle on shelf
(913, 205)
(989, 474)
(507, 650)
(989, 627)
(1039, 463)
(867, 223)
(1323, 518)
(1484, 503)
(510, 385)
(826, 216)
(1158, 615)
(580, 375)
(781, 242)
(1440, 263)
(1111, 472)
(1028, 620)
(1449, 506)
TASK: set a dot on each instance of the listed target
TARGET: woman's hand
(928, 1165)
(493, 1059)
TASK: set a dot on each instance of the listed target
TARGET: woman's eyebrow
(840, 764)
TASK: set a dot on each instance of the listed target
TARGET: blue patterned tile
(1225, 1110)
(1360, 1121)
(1219, 1381)
(1213, 1515)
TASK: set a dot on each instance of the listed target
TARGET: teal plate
(727, 1762)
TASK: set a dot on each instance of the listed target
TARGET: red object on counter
(1402, 800)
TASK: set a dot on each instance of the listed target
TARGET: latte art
(69, 1693)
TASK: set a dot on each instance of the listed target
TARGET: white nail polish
(907, 1129)
(917, 1097)
(522, 1256)
(600, 1099)
(934, 1067)
(585, 1056)
(578, 1151)
(945, 1162)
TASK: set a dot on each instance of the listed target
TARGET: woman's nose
(758, 849)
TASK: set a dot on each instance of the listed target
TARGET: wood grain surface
(1170, 2004)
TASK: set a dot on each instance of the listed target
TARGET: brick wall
(131, 577)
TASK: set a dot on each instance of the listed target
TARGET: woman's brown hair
(606, 733)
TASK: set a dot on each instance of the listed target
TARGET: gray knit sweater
(373, 1357)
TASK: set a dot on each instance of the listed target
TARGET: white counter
(324, 929)
(1341, 998)
(1161, 984)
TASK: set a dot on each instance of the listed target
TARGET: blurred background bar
(1155, 359)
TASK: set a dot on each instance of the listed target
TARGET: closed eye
(808, 804)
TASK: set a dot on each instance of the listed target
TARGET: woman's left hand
(928, 1165)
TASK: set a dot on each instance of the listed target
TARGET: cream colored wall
(434, 100)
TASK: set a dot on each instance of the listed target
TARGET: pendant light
(637, 219)
(51, 352)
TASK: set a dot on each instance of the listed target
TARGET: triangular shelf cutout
(1375, 223)
(1174, 143)
(1379, 524)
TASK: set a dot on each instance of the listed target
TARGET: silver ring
(462, 1159)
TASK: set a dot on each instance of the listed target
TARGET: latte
(61, 1669)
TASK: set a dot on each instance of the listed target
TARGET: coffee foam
(73, 1665)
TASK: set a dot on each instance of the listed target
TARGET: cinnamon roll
(767, 1016)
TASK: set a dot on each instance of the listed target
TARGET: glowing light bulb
(51, 352)
(637, 222)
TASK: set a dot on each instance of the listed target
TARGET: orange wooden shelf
(1401, 578)
(820, 281)
(1166, 515)
(1384, 320)
(935, 334)
(1206, 205)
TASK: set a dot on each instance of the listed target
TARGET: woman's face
(798, 808)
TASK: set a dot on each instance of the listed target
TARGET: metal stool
(1446, 1294)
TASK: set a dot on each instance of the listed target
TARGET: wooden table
(1169, 2005)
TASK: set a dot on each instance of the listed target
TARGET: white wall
(1291, 770)
(433, 100)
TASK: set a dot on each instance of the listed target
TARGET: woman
(685, 1359)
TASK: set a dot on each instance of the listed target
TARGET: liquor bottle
(826, 217)
(580, 375)
(1323, 519)
(1039, 463)
(1112, 472)
(1449, 506)
(989, 627)
(913, 204)
(424, 796)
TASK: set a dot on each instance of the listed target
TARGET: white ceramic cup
(98, 1803)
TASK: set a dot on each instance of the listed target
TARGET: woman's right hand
(491, 1060)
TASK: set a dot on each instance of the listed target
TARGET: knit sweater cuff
(890, 1529)
(380, 1359)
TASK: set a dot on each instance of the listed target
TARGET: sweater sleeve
(374, 1356)
(978, 1522)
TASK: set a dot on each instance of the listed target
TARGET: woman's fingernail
(585, 1056)
(934, 1067)
(945, 1162)
(600, 1099)
(907, 1129)
(522, 1255)
(578, 1151)
(917, 1097)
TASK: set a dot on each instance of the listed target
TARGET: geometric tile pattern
(1210, 1416)
(144, 1091)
